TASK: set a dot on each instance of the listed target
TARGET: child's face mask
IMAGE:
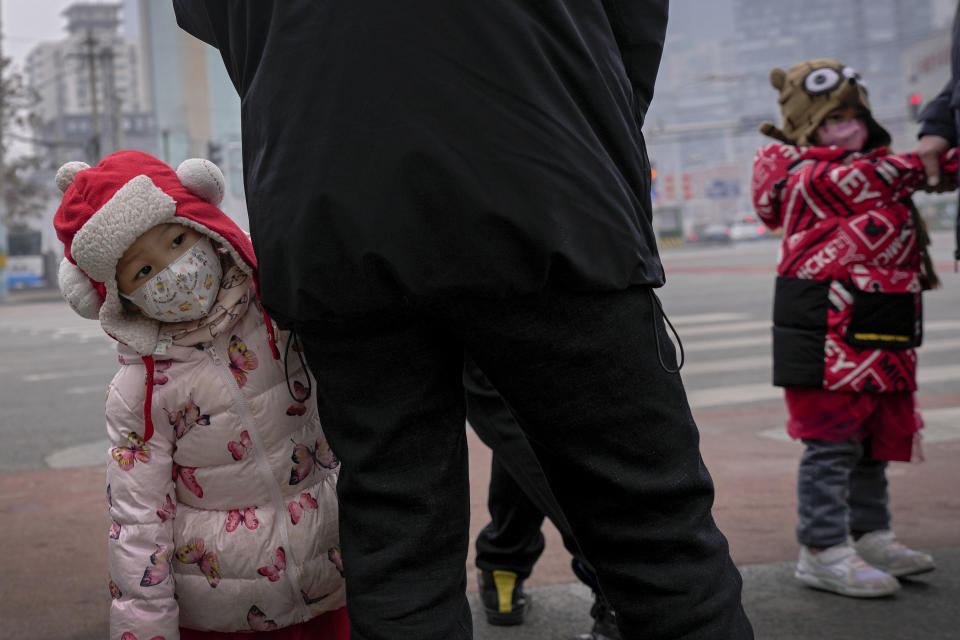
(185, 290)
(850, 134)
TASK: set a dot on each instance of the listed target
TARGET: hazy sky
(701, 19)
(27, 23)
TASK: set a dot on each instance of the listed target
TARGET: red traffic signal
(916, 99)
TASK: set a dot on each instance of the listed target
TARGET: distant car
(748, 228)
(712, 233)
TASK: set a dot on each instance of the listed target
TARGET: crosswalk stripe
(744, 393)
(733, 327)
(60, 375)
(82, 391)
(729, 365)
(705, 318)
(725, 343)
(764, 339)
(726, 365)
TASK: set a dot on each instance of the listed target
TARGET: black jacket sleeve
(212, 22)
(639, 27)
(938, 116)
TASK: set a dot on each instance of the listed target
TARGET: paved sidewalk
(29, 296)
(53, 525)
(926, 608)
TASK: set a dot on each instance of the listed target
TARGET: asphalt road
(55, 367)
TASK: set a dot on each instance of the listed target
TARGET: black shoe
(604, 622)
(504, 600)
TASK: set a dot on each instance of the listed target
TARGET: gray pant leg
(823, 486)
(869, 501)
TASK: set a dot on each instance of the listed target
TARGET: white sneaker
(841, 570)
(882, 550)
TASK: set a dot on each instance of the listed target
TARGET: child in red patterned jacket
(847, 319)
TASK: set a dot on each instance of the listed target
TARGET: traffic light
(214, 154)
(915, 100)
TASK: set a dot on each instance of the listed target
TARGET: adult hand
(930, 148)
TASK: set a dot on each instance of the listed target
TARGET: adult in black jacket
(426, 178)
(941, 124)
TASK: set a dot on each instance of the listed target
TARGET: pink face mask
(851, 134)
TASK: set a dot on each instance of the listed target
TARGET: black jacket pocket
(883, 320)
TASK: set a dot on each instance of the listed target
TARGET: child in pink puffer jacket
(221, 486)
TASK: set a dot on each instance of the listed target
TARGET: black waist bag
(884, 320)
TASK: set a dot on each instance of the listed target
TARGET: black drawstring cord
(303, 366)
(656, 335)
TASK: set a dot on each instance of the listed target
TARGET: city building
(712, 94)
(196, 107)
(92, 94)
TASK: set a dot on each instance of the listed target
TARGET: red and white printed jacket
(847, 308)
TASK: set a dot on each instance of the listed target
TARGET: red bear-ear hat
(107, 207)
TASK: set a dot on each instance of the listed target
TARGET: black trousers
(610, 426)
(519, 495)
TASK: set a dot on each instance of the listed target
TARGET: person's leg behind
(586, 375)
(507, 548)
(390, 398)
(519, 496)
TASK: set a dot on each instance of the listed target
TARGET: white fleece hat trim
(76, 289)
(135, 208)
(98, 245)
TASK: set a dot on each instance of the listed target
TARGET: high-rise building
(93, 98)
(196, 106)
(868, 35)
(711, 95)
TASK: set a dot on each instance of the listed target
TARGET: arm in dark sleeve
(938, 118)
(639, 27)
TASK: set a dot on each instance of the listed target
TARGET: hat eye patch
(822, 80)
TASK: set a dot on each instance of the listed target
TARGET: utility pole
(3, 180)
(91, 56)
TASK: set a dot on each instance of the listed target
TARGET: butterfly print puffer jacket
(847, 312)
(226, 518)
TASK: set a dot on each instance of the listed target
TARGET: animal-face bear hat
(812, 89)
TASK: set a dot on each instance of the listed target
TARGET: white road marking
(704, 318)
(750, 341)
(83, 455)
(734, 327)
(744, 393)
(60, 375)
(728, 365)
(725, 343)
(939, 425)
(79, 391)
